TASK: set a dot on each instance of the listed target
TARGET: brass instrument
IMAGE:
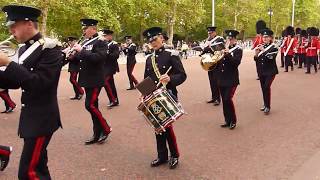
(208, 60)
(71, 51)
(8, 46)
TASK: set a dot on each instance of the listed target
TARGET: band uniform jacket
(266, 63)
(111, 63)
(131, 52)
(227, 68)
(38, 78)
(92, 59)
(165, 59)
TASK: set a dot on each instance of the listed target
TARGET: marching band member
(37, 73)
(297, 38)
(5, 152)
(212, 38)
(111, 67)
(92, 55)
(260, 25)
(228, 77)
(8, 102)
(74, 68)
(289, 46)
(265, 57)
(312, 47)
(130, 49)
(157, 65)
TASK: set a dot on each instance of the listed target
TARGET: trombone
(8, 46)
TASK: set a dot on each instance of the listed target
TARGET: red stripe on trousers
(5, 96)
(96, 111)
(233, 108)
(270, 90)
(4, 152)
(35, 158)
(174, 139)
(131, 75)
(108, 88)
(74, 82)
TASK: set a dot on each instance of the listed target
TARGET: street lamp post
(213, 13)
(270, 13)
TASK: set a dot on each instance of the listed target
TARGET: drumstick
(164, 73)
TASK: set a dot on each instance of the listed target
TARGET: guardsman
(265, 56)
(212, 38)
(282, 50)
(289, 46)
(260, 25)
(130, 50)
(111, 67)
(5, 152)
(228, 77)
(161, 61)
(301, 50)
(74, 67)
(36, 71)
(8, 102)
(297, 38)
(312, 49)
(92, 54)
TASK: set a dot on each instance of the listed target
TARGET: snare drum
(160, 109)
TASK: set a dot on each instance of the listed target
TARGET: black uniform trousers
(215, 94)
(167, 137)
(132, 80)
(312, 60)
(302, 60)
(111, 89)
(34, 159)
(288, 62)
(7, 100)
(74, 81)
(282, 59)
(229, 112)
(295, 58)
(265, 83)
(100, 125)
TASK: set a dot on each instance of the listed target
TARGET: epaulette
(48, 43)
(173, 52)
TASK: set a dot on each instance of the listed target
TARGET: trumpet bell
(9, 46)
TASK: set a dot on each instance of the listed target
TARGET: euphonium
(8, 46)
(209, 61)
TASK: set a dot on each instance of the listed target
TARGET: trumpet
(8, 46)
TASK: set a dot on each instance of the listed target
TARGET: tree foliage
(186, 18)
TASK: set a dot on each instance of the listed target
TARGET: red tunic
(290, 49)
(301, 48)
(257, 40)
(313, 47)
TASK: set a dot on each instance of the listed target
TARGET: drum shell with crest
(160, 109)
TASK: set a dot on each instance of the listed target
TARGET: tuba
(210, 60)
(8, 46)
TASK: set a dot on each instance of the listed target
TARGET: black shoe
(92, 141)
(4, 160)
(74, 98)
(103, 138)
(258, 78)
(211, 101)
(173, 163)
(112, 104)
(131, 88)
(266, 111)
(9, 110)
(262, 109)
(300, 67)
(232, 126)
(307, 72)
(216, 103)
(224, 125)
(80, 96)
(286, 71)
(157, 162)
